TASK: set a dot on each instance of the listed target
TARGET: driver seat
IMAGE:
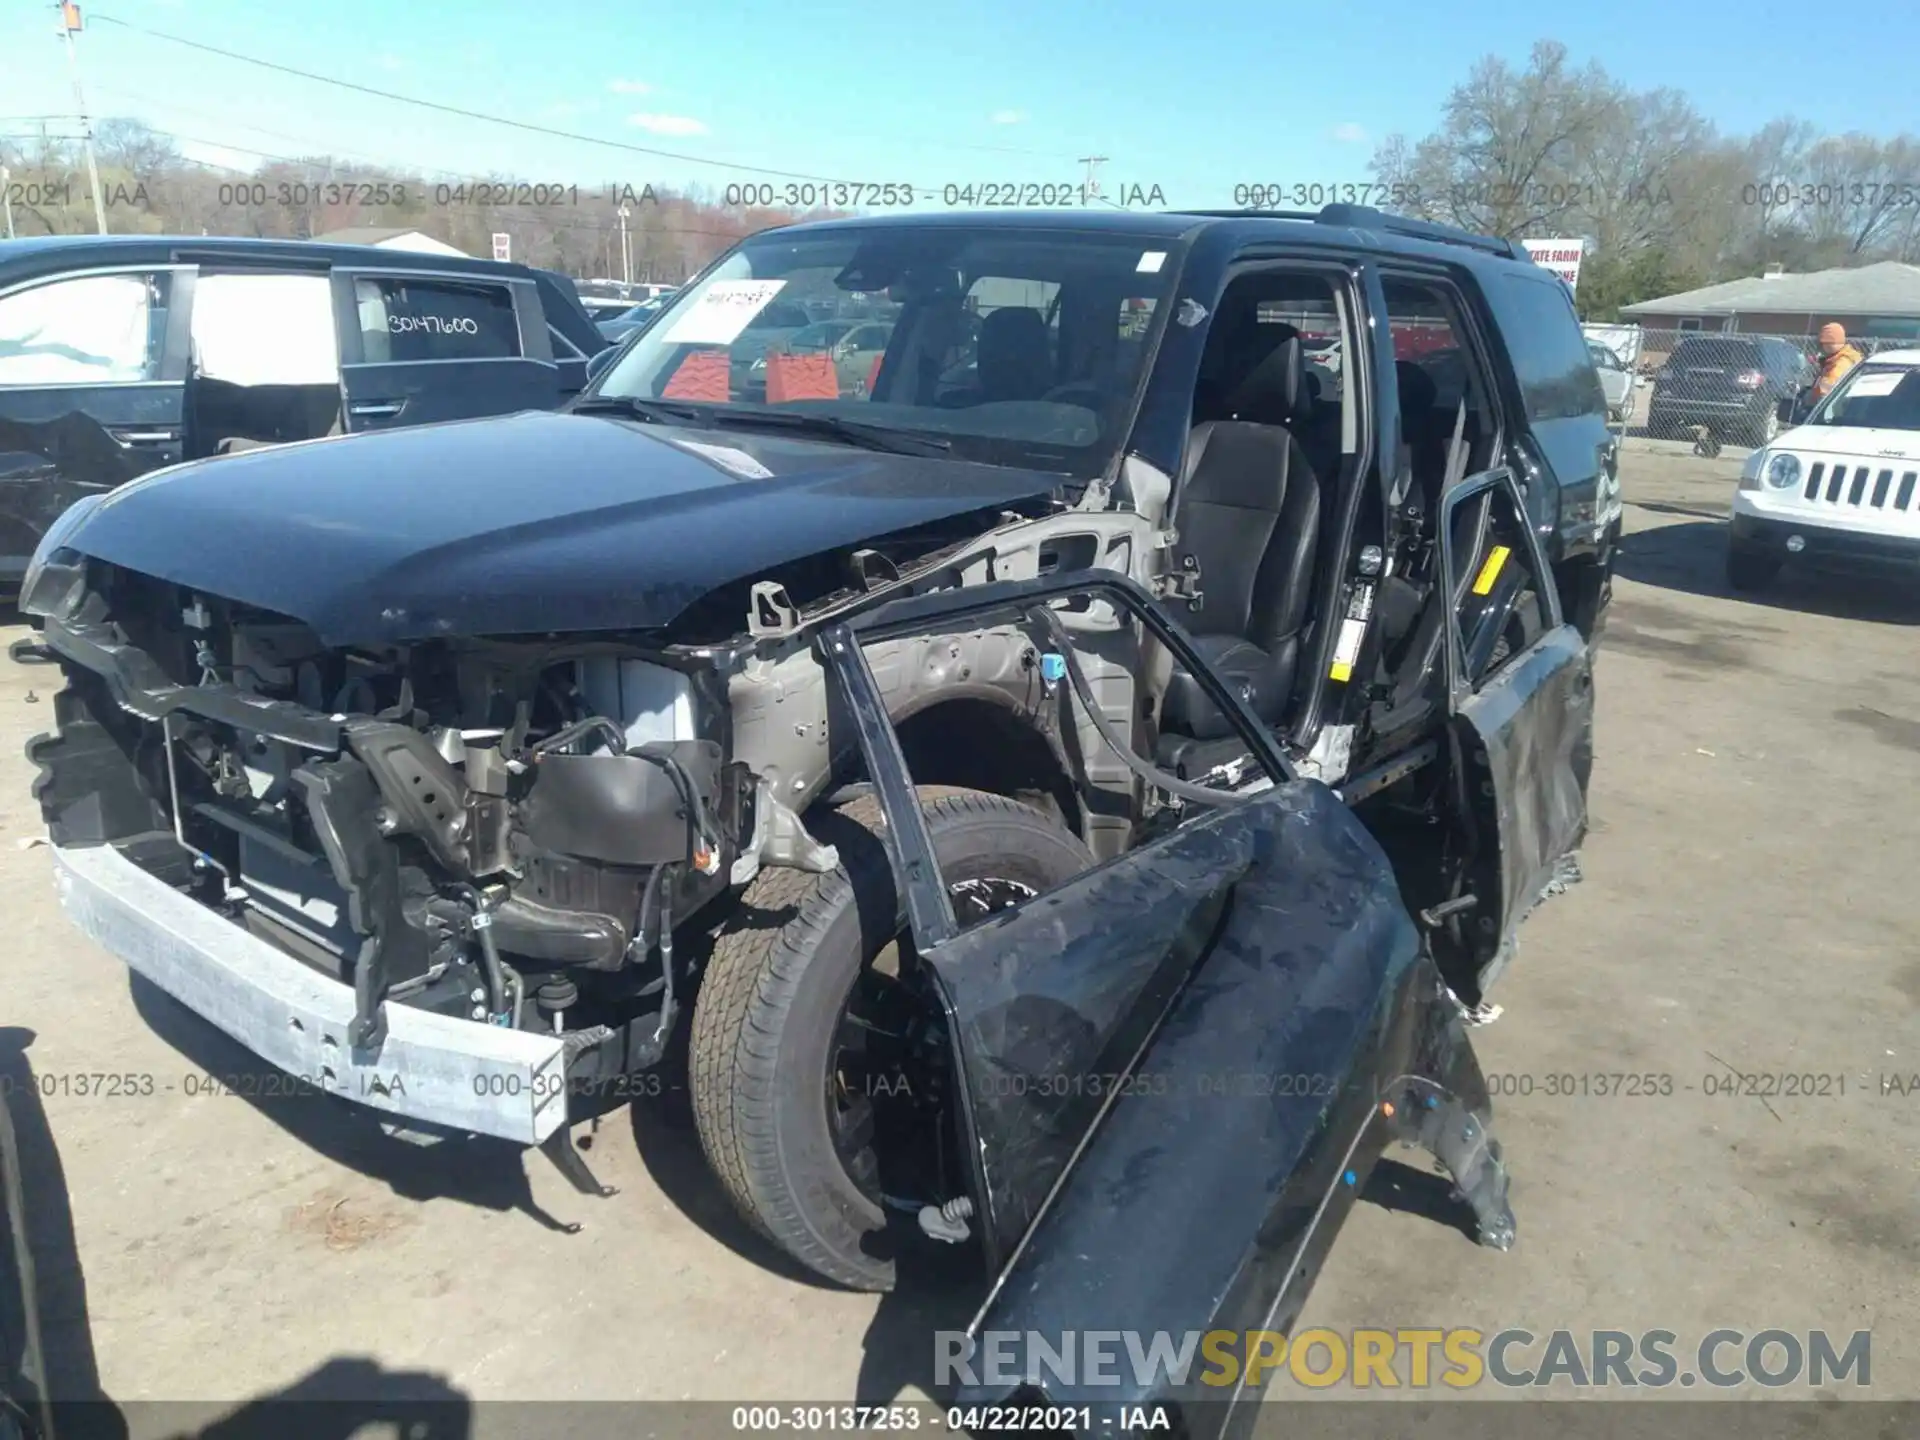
(1014, 357)
(1249, 513)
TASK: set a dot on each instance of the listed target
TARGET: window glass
(1502, 608)
(89, 330)
(404, 319)
(1010, 347)
(1880, 397)
(253, 329)
(1549, 352)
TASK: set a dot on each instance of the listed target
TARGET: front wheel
(816, 1074)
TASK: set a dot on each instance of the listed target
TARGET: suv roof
(37, 256)
(116, 249)
(1355, 226)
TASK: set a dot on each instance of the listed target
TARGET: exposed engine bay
(509, 831)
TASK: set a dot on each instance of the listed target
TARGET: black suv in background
(1734, 383)
(123, 353)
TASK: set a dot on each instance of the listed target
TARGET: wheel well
(984, 746)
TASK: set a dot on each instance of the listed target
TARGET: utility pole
(1091, 191)
(70, 22)
(626, 254)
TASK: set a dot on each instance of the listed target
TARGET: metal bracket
(873, 570)
(770, 614)
(1459, 1139)
(779, 838)
(559, 1148)
(1182, 584)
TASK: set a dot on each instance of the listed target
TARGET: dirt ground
(1745, 908)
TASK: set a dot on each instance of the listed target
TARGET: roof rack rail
(1367, 217)
(1252, 213)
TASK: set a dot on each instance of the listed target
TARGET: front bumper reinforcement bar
(434, 1069)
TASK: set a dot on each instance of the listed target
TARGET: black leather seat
(1249, 512)
(1015, 361)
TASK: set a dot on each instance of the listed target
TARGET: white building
(414, 240)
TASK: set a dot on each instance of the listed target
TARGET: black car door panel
(1179, 1071)
(1174, 1072)
(63, 436)
(1521, 688)
(422, 346)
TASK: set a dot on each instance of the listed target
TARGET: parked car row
(123, 353)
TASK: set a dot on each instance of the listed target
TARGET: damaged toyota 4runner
(1085, 721)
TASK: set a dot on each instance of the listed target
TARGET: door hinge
(1181, 584)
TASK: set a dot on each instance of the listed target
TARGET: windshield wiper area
(833, 427)
(655, 412)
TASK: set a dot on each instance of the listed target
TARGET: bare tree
(1507, 156)
(135, 147)
(1853, 189)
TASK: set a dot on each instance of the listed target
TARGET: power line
(321, 149)
(524, 125)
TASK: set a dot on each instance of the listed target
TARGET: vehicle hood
(518, 524)
(1858, 442)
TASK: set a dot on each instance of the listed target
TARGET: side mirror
(598, 362)
(1787, 408)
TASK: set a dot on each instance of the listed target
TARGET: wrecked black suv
(1084, 717)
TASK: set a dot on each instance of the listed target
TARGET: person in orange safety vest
(1837, 357)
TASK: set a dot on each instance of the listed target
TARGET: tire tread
(758, 962)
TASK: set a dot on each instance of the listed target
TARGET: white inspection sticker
(1880, 382)
(1150, 262)
(723, 310)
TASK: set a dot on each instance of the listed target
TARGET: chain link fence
(1657, 346)
(1732, 382)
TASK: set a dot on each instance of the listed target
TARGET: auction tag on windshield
(1880, 382)
(1150, 262)
(724, 309)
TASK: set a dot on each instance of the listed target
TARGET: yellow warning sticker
(1489, 572)
(1346, 650)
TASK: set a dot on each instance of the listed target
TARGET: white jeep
(1842, 489)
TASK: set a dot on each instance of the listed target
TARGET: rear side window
(1717, 351)
(405, 320)
(253, 328)
(1550, 358)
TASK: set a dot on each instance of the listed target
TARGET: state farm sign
(1560, 256)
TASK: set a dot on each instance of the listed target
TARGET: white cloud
(668, 124)
(1351, 133)
(389, 63)
(1007, 117)
(629, 87)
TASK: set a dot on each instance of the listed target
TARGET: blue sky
(938, 92)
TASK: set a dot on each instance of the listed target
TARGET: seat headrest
(1418, 395)
(1274, 392)
(1013, 355)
